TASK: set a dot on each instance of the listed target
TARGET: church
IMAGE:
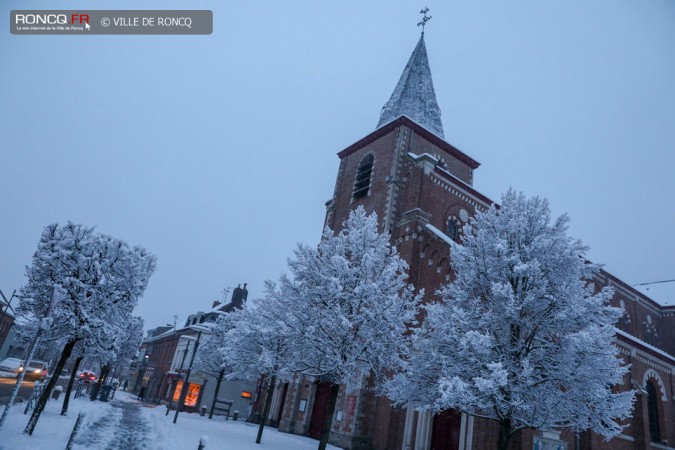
(421, 188)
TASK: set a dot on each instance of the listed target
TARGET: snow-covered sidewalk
(222, 434)
(126, 424)
(52, 430)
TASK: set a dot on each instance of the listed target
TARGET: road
(7, 384)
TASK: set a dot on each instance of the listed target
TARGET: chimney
(239, 296)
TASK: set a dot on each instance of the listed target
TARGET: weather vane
(425, 19)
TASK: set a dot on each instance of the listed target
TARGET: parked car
(87, 377)
(11, 366)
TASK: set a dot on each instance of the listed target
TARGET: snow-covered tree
(211, 357)
(259, 348)
(129, 341)
(519, 337)
(86, 284)
(345, 312)
(117, 353)
(244, 344)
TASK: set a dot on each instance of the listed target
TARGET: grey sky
(218, 152)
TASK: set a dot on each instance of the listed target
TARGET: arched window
(363, 173)
(653, 408)
(624, 320)
(452, 229)
(649, 333)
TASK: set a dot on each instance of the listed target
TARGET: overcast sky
(217, 153)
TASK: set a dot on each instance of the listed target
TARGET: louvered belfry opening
(362, 183)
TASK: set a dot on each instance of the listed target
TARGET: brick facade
(418, 185)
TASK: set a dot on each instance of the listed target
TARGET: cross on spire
(425, 19)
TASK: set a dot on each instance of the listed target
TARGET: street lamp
(183, 391)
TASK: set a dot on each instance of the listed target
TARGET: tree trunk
(105, 370)
(328, 421)
(42, 402)
(504, 434)
(96, 387)
(266, 409)
(93, 392)
(215, 394)
(64, 408)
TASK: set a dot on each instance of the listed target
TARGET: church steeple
(414, 94)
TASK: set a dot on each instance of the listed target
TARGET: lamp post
(183, 390)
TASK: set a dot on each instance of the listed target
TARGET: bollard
(202, 442)
(235, 415)
(57, 392)
(202, 412)
(76, 428)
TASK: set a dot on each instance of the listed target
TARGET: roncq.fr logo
(51, 19)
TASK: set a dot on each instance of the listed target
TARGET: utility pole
(41, 326)
(3, 311)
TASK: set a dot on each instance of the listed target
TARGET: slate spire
(414, 94)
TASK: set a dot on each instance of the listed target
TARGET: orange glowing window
(176, 393)
(245, 394)
(192, 395)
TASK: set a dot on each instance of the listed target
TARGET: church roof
(417, 128)
(414, 94)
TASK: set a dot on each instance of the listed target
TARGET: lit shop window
(192, 393)
(176, 392)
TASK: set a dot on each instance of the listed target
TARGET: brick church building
(421, 187)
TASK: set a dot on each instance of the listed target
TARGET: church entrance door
(446, 429)
(319, 409)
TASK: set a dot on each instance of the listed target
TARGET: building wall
(229, 390)
(159, 354)
(433, 187)
(7, 344)
(6, 322)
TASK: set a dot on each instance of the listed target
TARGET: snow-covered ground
(53, 430)
(127, 424)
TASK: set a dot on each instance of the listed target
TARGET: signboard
(545, 443)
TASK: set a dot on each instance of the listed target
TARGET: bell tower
(420, 186)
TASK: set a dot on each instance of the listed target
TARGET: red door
(446, 429)
(319, 409)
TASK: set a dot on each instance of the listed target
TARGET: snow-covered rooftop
(439, 233)
(661, 293)
(645, 344)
